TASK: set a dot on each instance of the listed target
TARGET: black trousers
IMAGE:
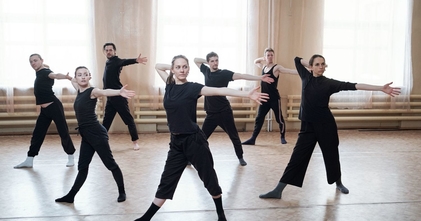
(326, 134)
(54, 112)
(225, 120)
(186, 148)
(95, 139)
(275, 105)
(119, 104)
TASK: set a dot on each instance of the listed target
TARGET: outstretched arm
(281, 69)
(260, 62)
(249, 77)
(96, 92)
(387, 89)
(53, 75)
(162, 70)
(141, 60)
(223, 91)
(199, 62)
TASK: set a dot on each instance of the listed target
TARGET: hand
(126, 93)
(141, 60)
(392, 91)
(267, 79)
(68, 77)
(257, 96)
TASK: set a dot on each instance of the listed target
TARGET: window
(195, 28)
(60, 31)
(368, 41)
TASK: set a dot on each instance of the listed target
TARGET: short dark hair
(35, 55)
(108, 44)
(211, 54)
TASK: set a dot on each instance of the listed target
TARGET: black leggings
(275, 105)
(119, 104)
(95, 139)
(53, 112)
(225, 120)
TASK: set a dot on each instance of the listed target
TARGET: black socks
(69, 198)
(149, 213)
(219, 209)
(250, 141)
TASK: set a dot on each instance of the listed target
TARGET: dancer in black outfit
(218, 109)
(318, 125)
(188, 142)
(94, 135)
(273, 70)
(111, 80)
(51, 110)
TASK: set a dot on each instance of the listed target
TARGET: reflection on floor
(380, 168)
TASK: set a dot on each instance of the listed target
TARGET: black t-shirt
(85, 108)
(43, 87)
(180, 103)
(219, 78)
(272, 88)
(315, 94)
(113, 67)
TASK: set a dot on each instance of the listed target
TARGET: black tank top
(85, 108)
(271, 89)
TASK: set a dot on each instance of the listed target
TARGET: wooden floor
(380, 168)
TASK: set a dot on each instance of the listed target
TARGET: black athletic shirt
(85, 108)
(272, 88)
(315, 94)
(180, 103)
(219, 78)
(43, 87)
(113, 67)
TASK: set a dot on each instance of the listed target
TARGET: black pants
(54, 112)
(119, 104)
(186, 148)
(95, 139)
(326, 134)
(275, 105)
(225, 120)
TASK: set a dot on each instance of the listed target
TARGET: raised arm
(199, 62)
(265, 77)
(162, 70)
(96, 92)
(260, 62)
(75, 84)
(141, 60)
(387, 89)
(223, 91)
(53, 75)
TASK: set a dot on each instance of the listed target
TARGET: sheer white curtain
(60, 31)
(368, 41)
(196, 27)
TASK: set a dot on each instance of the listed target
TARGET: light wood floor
(380, 168)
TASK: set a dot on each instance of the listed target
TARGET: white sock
(28, 163)
(71, 161)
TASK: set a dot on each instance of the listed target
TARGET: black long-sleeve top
(113, 67)
(315, 94)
